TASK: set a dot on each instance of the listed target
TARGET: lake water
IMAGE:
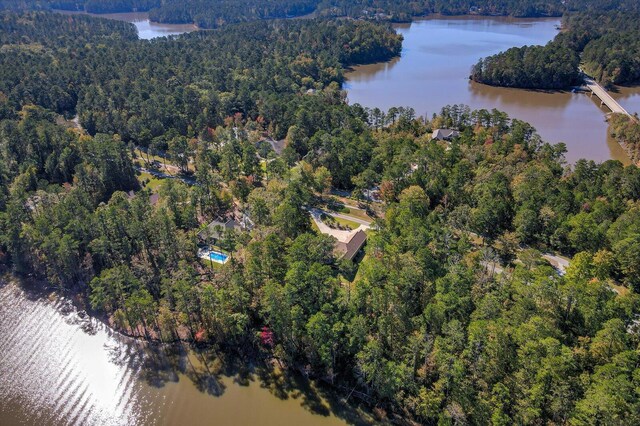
(435, 64)
(58, 366)
(628, 97)
(147, 30)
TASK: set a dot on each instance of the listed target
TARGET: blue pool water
(218, 257)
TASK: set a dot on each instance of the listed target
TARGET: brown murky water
(435, 64)
(628, 97)
(59, 367)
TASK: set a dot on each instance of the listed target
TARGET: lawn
(620, 289)
(360, 214)
(314, 226)
(346, 222)
(152, 182)
(358, 273)
(209, 264)
(340, 207)
(332, 221)
(142, 156)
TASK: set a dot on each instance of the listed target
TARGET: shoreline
(133, 18)
(121, 16)
(46, 291)
(365, 84)
(231, 362)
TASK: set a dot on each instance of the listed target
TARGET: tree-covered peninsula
(606, 45)
(144, 90)
(531, 67)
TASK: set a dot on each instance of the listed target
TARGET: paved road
(605, 97)
(558, 262)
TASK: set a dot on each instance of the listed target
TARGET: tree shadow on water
(208, 368)
(204, 370)
(159, 364)
(314, 397)
(311, 399)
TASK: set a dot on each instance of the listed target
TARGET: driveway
(338, 234)
(558, 262)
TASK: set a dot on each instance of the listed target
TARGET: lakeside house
(154, 197)
(444, 134)
(348, 243)
(277, 146)
(351, 247)
(218, 227)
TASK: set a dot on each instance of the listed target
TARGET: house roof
(244, 223)
(442, 134)
(351, 247)
(278, 146)
(211, 229)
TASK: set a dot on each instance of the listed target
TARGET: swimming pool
(218, 257)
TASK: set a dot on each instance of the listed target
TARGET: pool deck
(206, 254)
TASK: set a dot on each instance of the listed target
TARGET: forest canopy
(606, 45)
(427, 330)
(188, 84)
(216, 13)
(531, 67)
(451, 315)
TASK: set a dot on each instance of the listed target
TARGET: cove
(60, 366)
(433, 71)
(147, 29)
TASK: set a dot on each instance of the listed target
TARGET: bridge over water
(605, 97)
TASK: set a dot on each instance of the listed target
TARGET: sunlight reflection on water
(61, 367)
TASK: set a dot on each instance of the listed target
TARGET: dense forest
(607, 45)
(215, 13)
(533, 67)
(452, 316)
(146, 90)
(204, 15)
(610, 46)
(91, 6)
(627, 131)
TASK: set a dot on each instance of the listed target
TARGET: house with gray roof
(217, 228)
(444, 134)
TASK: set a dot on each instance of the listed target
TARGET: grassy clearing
(211, 265)
(359, 273)
(153, 183)
(620, 289)
(314, 226)
(346, 222)
(338, 223)
(341, 207)
(142, 157)
(360, 214)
